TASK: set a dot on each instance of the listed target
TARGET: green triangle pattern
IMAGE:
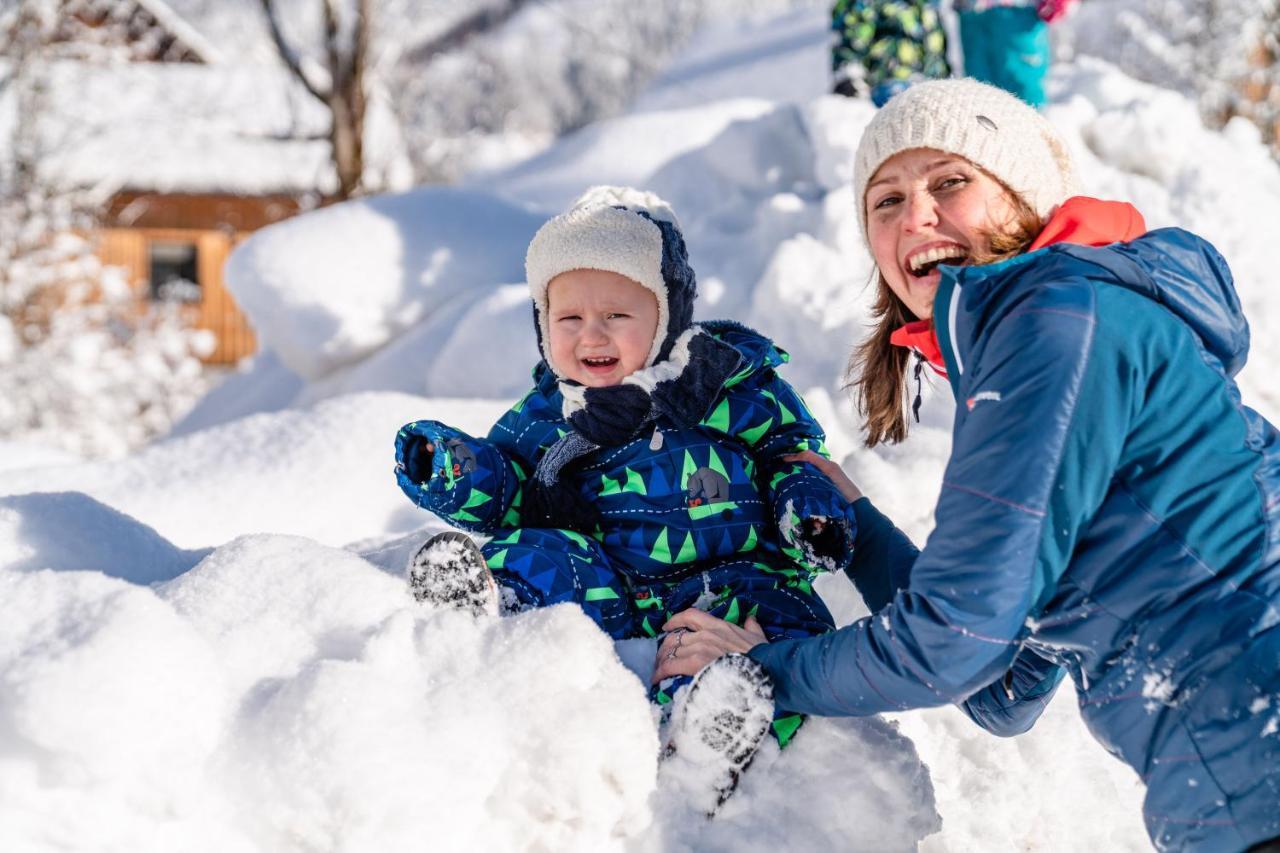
(635, 483)
(511, 539)
(689, 467)
(751, 539)
(719, 419)
(498, 560)
(476, 498)
(575, 537)
(751, 436)
(609, 486)
(733, 613)
(463, 515)
(688, 551)
(739, 376)
(661, 551)
(784, 728)
(716, 465)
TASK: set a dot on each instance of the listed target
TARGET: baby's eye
(566, 317)
(617, 316)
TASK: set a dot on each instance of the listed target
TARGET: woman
(1110, 510)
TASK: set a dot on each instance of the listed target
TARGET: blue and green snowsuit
(691, 515)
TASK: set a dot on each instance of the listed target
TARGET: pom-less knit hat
(985, 125)
(624, 231)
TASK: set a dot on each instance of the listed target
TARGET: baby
(644, 473)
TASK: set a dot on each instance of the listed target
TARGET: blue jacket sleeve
(1029, 467)
(815, 521)
(882, 559)
(882, 556)
(471, 483)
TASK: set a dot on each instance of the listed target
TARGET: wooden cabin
(174, 246)
(203, 138)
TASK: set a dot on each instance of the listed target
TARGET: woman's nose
(922, 212)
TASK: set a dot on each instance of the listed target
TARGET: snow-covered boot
(449, 571)
(716, 727)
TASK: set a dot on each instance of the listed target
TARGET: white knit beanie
(985, 125)
(622, 230)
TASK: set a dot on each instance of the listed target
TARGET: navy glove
(828, 540)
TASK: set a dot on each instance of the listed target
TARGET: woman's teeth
(924, 263)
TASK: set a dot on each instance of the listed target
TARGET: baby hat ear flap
(681, 291)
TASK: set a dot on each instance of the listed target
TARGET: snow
(208, 644)
(191, 128)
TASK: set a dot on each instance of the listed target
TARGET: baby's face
(601, 326)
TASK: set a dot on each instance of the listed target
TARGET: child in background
(883, 47)
(646, 472)
(1006, 43)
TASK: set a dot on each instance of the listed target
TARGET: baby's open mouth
(926, 262)
(601, 361)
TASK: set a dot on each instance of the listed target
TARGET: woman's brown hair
(878, 369)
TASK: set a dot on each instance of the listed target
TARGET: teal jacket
(1110, 510)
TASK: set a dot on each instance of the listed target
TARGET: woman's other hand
(695, 639)
(833, 472)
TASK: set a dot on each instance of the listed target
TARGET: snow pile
(286, 695)
(305, 702)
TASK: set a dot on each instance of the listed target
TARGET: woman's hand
(833, 472)
(695, 639)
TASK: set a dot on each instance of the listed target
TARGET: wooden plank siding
(214, 224)
(216, 311)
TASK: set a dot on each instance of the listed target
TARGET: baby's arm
(815, 520)
(469, 482)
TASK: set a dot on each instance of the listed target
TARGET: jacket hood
(1174, 268)
(1185, 274)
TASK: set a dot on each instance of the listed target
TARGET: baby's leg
(541, 567)
(785, 606)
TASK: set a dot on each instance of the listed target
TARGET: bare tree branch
(287, 54)
(481, 21)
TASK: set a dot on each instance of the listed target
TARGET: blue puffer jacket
(1109, 509)
(672, 502)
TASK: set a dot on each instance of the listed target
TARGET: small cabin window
(173, 271)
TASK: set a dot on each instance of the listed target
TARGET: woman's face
(926, 208)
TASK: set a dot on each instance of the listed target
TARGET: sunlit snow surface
(208, 645)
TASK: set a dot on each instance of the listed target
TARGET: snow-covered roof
(183, 127)
(183, 31)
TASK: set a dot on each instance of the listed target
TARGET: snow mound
(323, 472)
(286, 695)
(70, 531)
(383, 264)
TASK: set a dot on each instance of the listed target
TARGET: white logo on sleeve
(982, 396)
